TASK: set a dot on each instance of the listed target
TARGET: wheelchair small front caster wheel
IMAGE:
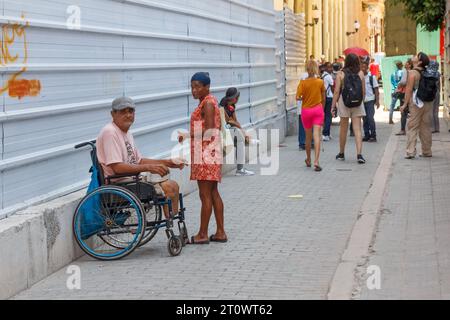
(175, 246)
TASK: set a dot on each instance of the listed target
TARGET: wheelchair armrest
(136, 177)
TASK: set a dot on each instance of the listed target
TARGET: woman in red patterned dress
(206, 158)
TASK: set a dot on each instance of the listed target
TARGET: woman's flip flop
(213, 239)
(308, 164)
(198, 242)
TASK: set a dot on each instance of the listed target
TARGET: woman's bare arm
(409, 91)
(337, 90)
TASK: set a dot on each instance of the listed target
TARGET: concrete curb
(357, 251)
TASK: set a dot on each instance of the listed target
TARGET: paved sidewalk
(412, 245)
(279, 248)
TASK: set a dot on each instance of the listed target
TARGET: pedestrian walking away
(348, 101)
(329, 90)
(312, 93)
(371, 99)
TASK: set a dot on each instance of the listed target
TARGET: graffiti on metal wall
(14, 36)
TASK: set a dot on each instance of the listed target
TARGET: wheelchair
(112, 220)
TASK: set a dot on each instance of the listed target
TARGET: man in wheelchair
(118, 156)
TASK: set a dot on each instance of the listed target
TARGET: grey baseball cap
(123, 103)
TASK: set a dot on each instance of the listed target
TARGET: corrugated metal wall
(291, 57)
(58, 82)
(295, 42)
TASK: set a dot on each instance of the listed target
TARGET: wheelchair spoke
(113, 227)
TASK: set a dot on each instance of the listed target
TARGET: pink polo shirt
(116, 146)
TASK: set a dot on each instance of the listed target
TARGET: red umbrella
(358, 51)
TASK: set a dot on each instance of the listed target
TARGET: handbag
(227, 139)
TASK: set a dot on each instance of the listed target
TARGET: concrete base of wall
(292, 123)
(38, 241)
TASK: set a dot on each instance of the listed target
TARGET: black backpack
(427, 86)
(352, 93)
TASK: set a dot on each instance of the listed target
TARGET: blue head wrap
(202, 77)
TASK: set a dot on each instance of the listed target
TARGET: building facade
(330, 25)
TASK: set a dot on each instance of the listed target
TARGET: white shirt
(370, 94)
(299, 102)
(328, 83)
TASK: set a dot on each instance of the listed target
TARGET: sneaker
(340, 156)
(361, 160)
(244, 172)
(302, 148)
(373, 139)
(325, 138)
(365, 139)
(401, 133)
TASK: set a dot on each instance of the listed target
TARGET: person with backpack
(420, 93)
(329, 90)
(371, 99)
(348, 100)
(434, 65)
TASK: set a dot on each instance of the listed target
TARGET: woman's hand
(182, 136)
(333, 111)
(179, 163)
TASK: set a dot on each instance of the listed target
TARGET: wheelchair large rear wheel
(113, 213)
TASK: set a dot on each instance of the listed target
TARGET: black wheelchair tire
(174, 246)
(141, 231)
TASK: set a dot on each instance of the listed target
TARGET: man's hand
(402, 108)
(160, 169)
(179, 163)
(378, 104)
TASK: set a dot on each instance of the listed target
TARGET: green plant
(427, 13)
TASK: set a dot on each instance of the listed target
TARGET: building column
(309, 29)
(345, 21)
(325, 32)
(336, 28)
(318, 33)
(341, 27)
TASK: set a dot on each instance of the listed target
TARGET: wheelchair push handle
(84, 144)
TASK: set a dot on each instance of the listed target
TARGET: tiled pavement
(282, 248)
(412, 246)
